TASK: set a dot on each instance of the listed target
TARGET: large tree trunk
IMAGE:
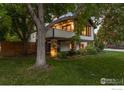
(40, 59)
(41, 33)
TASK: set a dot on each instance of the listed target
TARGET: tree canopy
(112, 29)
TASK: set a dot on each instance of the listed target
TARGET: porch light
(53, 52)
(53, 49)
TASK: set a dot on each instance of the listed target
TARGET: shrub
(91, 50)
(98, 49)
(63, 54)
(77, 52)
(99, 45)
(72, 52)
(82, 51)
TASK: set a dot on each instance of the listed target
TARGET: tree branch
(35, 19)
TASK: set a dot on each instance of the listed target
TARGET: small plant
(98, 49)
(99, 45)
(72, 52)
(78, 52)
(91, 50)
(82, 51)
(63, 54)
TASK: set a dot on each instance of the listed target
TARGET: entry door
(48, 45)
(58, 45)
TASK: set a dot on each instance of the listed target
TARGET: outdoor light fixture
(53, 52)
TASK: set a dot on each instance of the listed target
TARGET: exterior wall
(49, 33)
(65, 46)
(33, 37)
(62, 34)
(88, 37)
(84, 43)
(77, 47)
(59, 33)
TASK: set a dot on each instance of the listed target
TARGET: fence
(16, 48)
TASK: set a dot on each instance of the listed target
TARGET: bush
(72, 52)
(91, 50)
(98, 49)
(82, 51)
(77, 52)
(63, 54)
(99, 45)
(88, 50)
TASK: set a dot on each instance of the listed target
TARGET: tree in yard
(5, 24)
(112, 30)
(21, 22)
(44, 11)
(18, 23)
(83, 14)
(38, 18)
(39, 12)
(3, 29)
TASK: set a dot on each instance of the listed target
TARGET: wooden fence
(16, 48)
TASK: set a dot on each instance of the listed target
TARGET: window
(86, 31)
(65, 25)
(81, 46)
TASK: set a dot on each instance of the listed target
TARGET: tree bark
(41, 33)
(40, 59)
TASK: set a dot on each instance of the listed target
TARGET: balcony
(55, 33)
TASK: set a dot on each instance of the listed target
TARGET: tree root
(40, 67)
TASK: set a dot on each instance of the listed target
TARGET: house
(58, 37)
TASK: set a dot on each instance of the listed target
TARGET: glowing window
(86, 31)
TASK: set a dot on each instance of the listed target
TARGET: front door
(48, 45)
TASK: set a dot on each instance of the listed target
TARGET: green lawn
(85, 70)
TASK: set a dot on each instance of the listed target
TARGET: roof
(60, 20)
(68, 16)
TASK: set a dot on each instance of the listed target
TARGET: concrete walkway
(118, 50)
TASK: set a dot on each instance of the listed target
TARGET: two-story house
(58, 37)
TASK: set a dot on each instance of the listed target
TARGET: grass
(85, 70)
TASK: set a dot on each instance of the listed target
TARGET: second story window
(86, 31)
(66, 26)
